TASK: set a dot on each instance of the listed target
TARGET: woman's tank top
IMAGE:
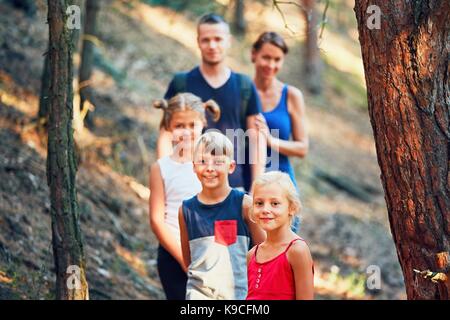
(279, 118)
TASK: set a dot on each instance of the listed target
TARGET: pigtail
(163, 105)
(213, 108)
(160, 104)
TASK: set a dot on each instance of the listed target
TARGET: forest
(79, 134)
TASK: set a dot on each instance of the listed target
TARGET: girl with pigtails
(172, 180)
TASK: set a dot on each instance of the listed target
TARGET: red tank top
(273, 279)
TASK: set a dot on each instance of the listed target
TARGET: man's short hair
(211, 18)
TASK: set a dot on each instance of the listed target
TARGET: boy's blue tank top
(219, 241)
(279, 118)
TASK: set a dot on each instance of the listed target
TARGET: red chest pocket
(225, 232)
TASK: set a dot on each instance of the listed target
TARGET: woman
(283, 105)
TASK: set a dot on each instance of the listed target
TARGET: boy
(215, 228)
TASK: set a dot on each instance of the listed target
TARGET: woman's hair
(185, 102)
(215, 143)
(272, 38)
(285, 183)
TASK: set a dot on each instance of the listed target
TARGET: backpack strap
(180, 82)
(245, 88)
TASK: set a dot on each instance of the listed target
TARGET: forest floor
(344, 218)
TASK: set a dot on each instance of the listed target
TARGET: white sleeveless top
(180, 183)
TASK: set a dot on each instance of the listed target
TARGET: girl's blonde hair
(285, 183)
(185, 102)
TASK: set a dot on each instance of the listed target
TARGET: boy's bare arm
(258, 235)
(184, 239)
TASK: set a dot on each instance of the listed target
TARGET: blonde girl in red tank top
(280, 268)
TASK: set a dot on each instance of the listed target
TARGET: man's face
(213, 41)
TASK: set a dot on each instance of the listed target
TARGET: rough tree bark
(87, 53)
(61, 168)
(311, 58)
(406, 65)
(45, 88)
(45, 79)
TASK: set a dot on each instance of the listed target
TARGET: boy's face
(212, 170)
(271, 207)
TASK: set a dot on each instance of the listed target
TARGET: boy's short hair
(215, 143)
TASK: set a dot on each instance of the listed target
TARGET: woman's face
(268, 60)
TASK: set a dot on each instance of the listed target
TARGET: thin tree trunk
(87, 54)
(61, 168)
(45, 79)
(312, 64)
(239, 18)
(406, 65)
(44, 94)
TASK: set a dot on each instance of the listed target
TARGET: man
(213, 79)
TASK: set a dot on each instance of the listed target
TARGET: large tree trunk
(239, 18)
(312, 65)
(87, 53)
(61, 168)
(407, 77)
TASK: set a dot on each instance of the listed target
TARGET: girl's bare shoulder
(299, 250)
